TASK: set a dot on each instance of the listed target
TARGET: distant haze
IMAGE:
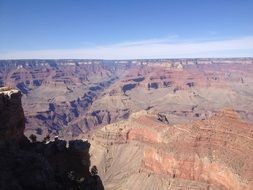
(102, 29)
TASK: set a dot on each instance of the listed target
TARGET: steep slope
(11, 115)
(147, 152)
(50, 165)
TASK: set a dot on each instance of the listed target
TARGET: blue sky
(125, 29)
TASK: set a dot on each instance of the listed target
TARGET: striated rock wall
(191, 167)
(210, 151)
(213, 153)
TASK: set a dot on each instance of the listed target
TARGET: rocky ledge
(39, 165)
(11, 115)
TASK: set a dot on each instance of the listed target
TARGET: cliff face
(39, 165)
(11, 115)
(213, 153)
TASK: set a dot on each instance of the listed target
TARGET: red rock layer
(217, 151)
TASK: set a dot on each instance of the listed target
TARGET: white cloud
(151, 48)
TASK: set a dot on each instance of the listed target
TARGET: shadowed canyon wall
(39, 165)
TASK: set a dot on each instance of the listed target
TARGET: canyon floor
(152, 124)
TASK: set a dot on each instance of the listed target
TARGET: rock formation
(70, 98)
(11, 115)
(214, 153)
(39, 165)
(152, 124)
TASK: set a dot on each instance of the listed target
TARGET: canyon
(145, 124)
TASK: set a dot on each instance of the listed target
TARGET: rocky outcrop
(214, 153)
(35, 165)
(207, 151)
(11, 115)
(192, 167)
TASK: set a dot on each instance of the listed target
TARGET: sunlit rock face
(214, 153)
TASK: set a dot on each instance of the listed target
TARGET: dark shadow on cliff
(47, 166)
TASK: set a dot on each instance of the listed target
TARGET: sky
(125, 29)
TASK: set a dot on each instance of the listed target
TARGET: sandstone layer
(214, 153)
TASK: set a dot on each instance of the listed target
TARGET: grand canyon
(144, 123)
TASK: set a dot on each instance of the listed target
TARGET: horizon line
(91, 59)
(145, 49)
